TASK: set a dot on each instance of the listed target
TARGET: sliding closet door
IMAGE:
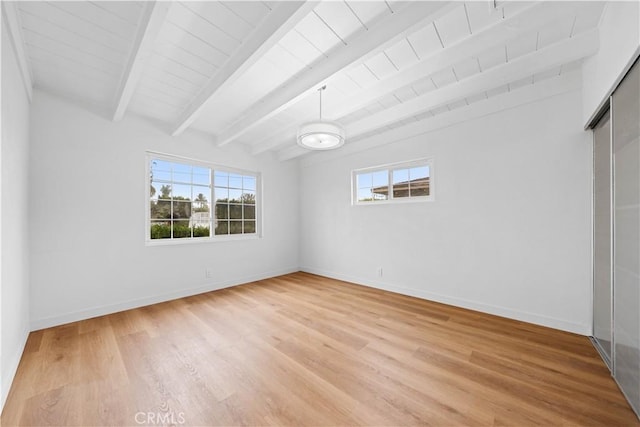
(625, 115)
(602, 237)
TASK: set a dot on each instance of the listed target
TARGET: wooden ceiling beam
(282, 19)
(385, 32)
(539, 91)
(572, 49)
(153, 16)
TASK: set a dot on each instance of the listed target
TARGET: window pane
(181, 229)
(160, 165)
(400, 175)
(235, 211)
(160, 230)
(200, 219)
(235, 195)
(221, 179)
(401, 183)
(249, 198)
(201, 231)
(235, 227)
(222, 227)
(420, 187)
(222, 194)
(365, 195)
(380, 193)
(419, 172)
(163, 191)
(235, 181)
(181, 173)
(181, 210)
(222, 211)
(380, 178)
(364, 180)
(249, 212)
(181, 192)
(160, 209)
(200, 202)
(249, 183)
(161, 175)
(249, 226)
(201, 176)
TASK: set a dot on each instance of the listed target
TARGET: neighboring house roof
(402, 188)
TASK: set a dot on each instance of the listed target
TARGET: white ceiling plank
(101, 18)
(402, 55)
(291, 153)
(75, 25)
(368, 11)
(563, 84)
(495, 35)
(275, 141)
(88, 57)
(381, 66)
(453, 26)
(385, 33)
(128, 11)
(249, 11)
(281, 20)
(153, 17)
(339, 17)
(12, 20)
(554, 55)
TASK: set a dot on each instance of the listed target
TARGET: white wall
(87, 218)
(14, 277)
(619, 33)
(509, 232)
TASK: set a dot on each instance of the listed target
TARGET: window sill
(191, 241)
(395, 201)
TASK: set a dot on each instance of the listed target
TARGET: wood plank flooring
(305, 350)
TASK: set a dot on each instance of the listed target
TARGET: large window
(399, 182)
(196, 201)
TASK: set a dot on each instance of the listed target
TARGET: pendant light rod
(320, 90)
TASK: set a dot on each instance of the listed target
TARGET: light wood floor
(305, 350)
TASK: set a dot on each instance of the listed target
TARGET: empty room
(320, 213)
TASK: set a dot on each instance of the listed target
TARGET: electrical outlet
(379, 271)
(207, 273)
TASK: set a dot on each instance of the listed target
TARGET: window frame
(213, 167)
(390, 168)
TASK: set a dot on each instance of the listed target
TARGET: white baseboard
(48, 322)
(537, 319)
(10, 373)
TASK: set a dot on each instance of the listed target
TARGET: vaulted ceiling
(248, 72)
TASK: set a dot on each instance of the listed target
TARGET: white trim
(594, 118)
(550, 322)
(10, 373)
(12, 20)
(103, 310)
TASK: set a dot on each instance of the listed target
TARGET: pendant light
(321, 134)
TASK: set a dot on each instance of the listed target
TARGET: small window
(407, 181)
(195, 201)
